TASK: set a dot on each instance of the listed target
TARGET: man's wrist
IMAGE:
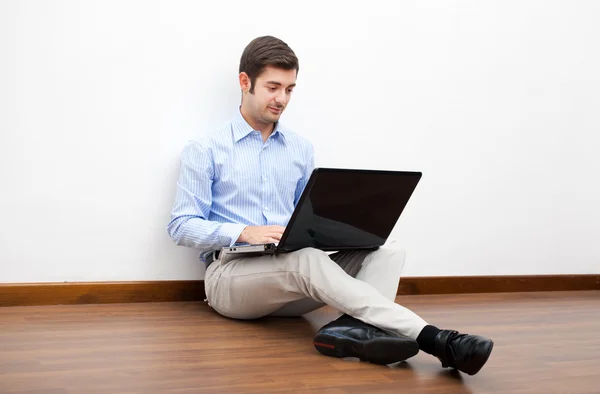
(242, 236)
(230, 232)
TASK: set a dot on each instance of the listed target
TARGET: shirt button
(266, 208)
(264, 178)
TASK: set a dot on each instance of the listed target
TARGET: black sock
(426, 339)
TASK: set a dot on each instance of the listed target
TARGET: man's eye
(290, 90)
(272, 89)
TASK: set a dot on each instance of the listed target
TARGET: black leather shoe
(467, 353)
(350, 337)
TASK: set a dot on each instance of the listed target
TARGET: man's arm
(189, 224)
(308, 169)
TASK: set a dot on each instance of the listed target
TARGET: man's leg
(251, 287)
(381, 269)
(258, 286)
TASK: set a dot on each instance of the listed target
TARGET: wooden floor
(545, 343)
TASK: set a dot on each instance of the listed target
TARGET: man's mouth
(276, 110)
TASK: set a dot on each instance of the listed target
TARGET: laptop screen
(349, 209)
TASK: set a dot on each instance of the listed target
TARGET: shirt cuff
(230, 232)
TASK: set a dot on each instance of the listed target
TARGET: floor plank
(544, 343)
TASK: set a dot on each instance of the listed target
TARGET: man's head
(268, 70)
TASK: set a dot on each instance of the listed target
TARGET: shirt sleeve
(189, 225)
(308, 169)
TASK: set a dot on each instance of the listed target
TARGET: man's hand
(261, 234)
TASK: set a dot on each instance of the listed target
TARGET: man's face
(272, 93)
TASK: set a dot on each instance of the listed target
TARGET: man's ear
(244, 82)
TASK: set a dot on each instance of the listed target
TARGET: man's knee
(311, 254)
(386, 253)
(309, 258)
(388, 257)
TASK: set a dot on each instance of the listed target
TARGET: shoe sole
(480, 362)
(382, 351)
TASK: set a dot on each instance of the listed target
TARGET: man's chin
(272, 118)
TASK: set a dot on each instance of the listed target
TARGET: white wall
(495, 101)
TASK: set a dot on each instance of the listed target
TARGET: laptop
(343, 209)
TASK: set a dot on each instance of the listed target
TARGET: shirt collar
(241, 128)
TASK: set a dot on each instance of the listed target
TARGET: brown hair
(266, 51)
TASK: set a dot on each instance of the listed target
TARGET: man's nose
(281, 97)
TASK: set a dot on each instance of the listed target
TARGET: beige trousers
(362, 284)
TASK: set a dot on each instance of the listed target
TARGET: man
(241, 184)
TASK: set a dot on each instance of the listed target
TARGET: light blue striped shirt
(230, 179)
